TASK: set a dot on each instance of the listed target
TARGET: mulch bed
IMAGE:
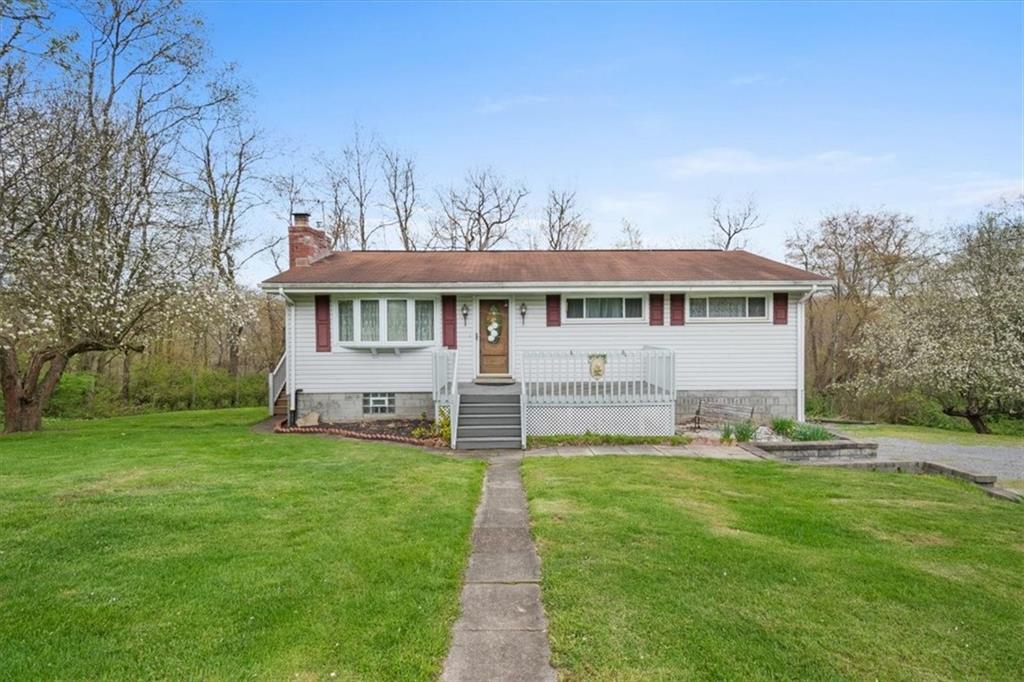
(391, 430)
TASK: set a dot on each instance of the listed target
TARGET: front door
(494, 336)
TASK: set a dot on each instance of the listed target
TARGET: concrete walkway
(502, 632)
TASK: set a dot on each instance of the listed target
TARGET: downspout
(289, 344)
(800, 360)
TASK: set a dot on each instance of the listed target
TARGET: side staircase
(489, 421)
(281, 403)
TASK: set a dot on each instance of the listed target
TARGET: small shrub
(440, 429)
(783, 427)
(745, 432)
(728, 433)
(803, 432)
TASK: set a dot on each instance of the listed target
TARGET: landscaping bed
(410, 431)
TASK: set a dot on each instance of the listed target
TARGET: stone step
(504, 431)
(488, 443)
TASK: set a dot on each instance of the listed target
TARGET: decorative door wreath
(493, 325)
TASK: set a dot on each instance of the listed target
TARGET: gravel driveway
(1005, 462)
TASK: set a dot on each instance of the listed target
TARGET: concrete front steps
(489, 421)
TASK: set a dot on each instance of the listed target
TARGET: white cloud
(730, 161)
(490, 105)
(981, 192)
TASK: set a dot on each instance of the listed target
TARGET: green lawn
(660, 569)
(183, 545)
(927, 434)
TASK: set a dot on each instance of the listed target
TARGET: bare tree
(631, 237)
(479, 216)
(337, 220)
(564, 228)
(730, 224)
(402, 201)
(225, 157)
(356, 177)
(867, 256)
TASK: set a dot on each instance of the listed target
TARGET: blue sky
(649, 110)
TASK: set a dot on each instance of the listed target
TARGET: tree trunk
(21, 414)
(974, 418)
(126, 374)
(978, 423)
(25, 397)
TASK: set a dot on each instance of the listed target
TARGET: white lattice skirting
(628, 420)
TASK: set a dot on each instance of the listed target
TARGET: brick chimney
(305, 244)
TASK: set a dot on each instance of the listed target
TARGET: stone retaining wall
(818, 449)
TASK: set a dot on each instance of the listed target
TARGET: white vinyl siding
(347, 370)
(740, 354)
(726, 355)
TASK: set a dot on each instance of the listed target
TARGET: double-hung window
(728, 307)
(385, 321)
(604, 308)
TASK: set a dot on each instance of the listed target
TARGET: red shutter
(657, 306)
(677, 312)
(554, 310)
(323, 323)
(449, 337)
(780, 309)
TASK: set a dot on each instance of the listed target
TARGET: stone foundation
(340, 407)
(767, 404)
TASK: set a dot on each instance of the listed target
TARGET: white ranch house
(537, 342)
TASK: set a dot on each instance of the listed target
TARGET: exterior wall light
(465, 314)
(522, 311)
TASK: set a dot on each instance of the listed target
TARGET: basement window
(378, 403)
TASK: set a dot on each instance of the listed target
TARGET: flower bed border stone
(361, 435)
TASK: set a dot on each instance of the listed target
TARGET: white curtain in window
(369, 320)
(424, 320)
(755, 306)
(574, 308)
(604, 307)
(698, 307)
(398, 320)
(727, 306)
(346, 327)
(634, 307)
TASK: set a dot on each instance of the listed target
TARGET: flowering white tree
(94, 240)
(958, 337)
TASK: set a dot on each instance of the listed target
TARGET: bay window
(385, 321)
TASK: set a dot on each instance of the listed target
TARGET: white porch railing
(446, 386)
(615, 377)
(445, 364)
(275, 382)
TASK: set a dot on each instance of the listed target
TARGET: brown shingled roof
(459, 267)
